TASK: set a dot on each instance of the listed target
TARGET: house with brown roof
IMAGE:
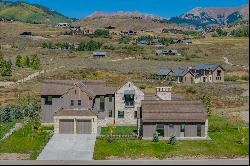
(184, 119)
(60, 98)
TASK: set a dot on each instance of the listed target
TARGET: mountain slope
(202, 17)
(30, 13)
(136, 14)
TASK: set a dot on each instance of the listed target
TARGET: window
(71, 102)
(135, 114)
(102, 103)
(199, 130)
(171, 126)
(219, 73)
(182, 130)
(160, 129)
(110, 113)
(79, 102)
(110, 98)
(120, 114)
(48, 100)
(129, 100)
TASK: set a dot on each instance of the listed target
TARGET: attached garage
(75, 122)
(83, 126)
(66, 126)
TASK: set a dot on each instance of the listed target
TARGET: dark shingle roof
(206, 66)
(173, 111)
(74, 113)
(164, 71)
(180, 72)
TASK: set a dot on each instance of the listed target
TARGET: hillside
(30, 13)
(123, 22)
(203, 17)
(136, 14)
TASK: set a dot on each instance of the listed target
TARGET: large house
(211, 73)
(79, 106)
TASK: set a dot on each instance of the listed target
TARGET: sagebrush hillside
(123, 23)
(30, 13)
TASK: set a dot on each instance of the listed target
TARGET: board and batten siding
(149, 129)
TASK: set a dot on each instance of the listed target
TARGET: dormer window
(129, 98)
(48, 100)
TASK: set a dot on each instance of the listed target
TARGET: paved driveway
(69, 147)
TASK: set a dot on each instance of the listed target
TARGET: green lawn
(224, 143)
(119, 130)
(5, 127)
(26, 141)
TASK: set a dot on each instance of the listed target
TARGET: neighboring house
(63, 25)
(75, 27)
(127, 101)
(128, 33)
(213, 73)
(26, 33)
(183, 76)
(88, 31)
(186, 41)
(165, 73)
(184, 119)
(76, 95)
(166, 52)
(99, 54)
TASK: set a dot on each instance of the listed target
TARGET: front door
(160, 129)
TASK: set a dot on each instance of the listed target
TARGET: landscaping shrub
(231, 78)
(155, 137)
(20, 61)
(191, 89)
(172, 140)
(124, 40)
(208, 103)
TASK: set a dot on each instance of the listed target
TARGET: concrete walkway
(69, 147)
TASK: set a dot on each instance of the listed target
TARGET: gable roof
(207, 67)
(164, 71)
(173, 111)
(180, 72)
(91, 87)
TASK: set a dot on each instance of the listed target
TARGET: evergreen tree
(27, 61)
(6, 68)
(7, 114)
(35, 62)
(20, 61)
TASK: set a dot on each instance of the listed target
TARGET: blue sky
(164, 8)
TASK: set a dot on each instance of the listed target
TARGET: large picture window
(129, 100)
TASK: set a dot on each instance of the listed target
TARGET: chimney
(164, 93)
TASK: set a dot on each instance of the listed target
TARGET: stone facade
(129, 111)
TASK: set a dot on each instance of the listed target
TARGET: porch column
(206, 128)
(74, 125)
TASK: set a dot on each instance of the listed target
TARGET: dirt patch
(14, 156)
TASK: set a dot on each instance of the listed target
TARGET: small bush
(191, 89)
(172, 140)
(231, 78)
(155, 137)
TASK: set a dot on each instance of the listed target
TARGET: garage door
(83, 126)
(66, 126)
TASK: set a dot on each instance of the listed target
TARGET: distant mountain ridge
(30, 13)
(126, 14)
(202, 17)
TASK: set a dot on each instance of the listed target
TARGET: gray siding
(190, 129)
(148, 130)
(48, 111)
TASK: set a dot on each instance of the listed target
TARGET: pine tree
(35, 62)
(20, 61)
(27, 61)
